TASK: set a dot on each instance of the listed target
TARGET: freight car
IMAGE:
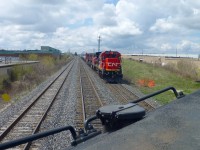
(88, 58)
(107, 64)
(95, 61)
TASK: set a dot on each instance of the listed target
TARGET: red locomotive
(107, 64)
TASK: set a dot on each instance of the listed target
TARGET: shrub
(33, 57)
(6, 84)
(22, 78)
(187, 68)
(171, 67)
(184, 67)
(11, 75)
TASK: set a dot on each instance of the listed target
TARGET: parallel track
(88, 100)
(30, 118)
(125, 96)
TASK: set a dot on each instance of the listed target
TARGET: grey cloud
(47, 2)
(107, 17)
(128, 24)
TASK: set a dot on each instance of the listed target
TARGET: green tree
(33, 57)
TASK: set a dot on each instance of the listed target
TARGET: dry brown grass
(188, 68)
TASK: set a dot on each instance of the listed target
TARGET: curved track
(29, 119)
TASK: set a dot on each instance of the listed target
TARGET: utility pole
(99, 42)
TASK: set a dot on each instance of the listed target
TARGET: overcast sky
(129, 26)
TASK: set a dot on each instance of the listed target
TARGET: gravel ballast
(63, 110)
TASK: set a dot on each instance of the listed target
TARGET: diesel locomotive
(107, 64)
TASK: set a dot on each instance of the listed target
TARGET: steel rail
(97, 95)
(37, 136)
(146, 104)
(9, 128)
(83, 98)
(27, 146)
(119, 91)
(151, 105)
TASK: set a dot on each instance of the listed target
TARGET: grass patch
(134, 71)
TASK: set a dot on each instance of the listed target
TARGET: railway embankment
(18, 79)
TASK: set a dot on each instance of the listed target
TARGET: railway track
(124, 95)
(88, 100)
(29, 119)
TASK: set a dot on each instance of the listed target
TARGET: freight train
(107, 64)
